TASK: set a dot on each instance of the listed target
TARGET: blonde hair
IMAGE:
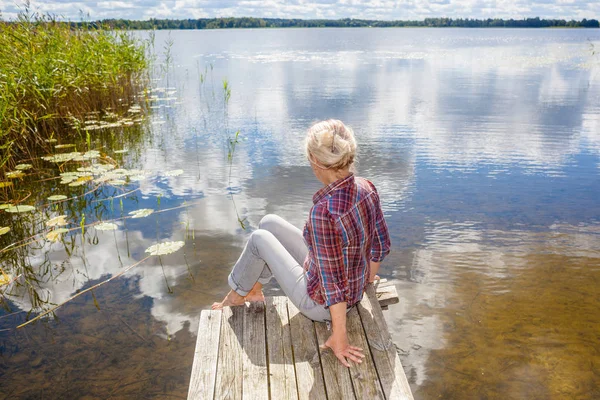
(331, 144)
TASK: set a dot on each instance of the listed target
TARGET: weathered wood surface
(390, 371)
(255, 383)
(205, 357)
(309, 375)
(270, 350)
(230, 363)
(337, 376)
(282, 373)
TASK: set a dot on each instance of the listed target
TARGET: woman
(325, 269)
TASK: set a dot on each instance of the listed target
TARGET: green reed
(50, 71)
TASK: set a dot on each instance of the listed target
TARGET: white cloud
(372, 9)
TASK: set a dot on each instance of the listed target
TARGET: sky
(308, 9)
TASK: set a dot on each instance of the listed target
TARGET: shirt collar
(340, 183)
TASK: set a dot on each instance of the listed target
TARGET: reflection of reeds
(82, 292)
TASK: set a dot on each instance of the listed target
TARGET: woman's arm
(373, 269)
(338, 341)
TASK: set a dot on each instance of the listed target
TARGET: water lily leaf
(57, 197)
(141, 213)
(137, 178)
(164, 248)
(5, 206)
(5, 184)
(4, 230)
(117, 182)
(14, 174)
(88, 155)
(64, 146)
(57, 221)
(81, 180)
(61, 158)
(123, 151)
(20, 209)
(23, 167)
(51, 140)
(175, 172)
(56, 234)
(5, 279)
(106, 167)
(106, 226)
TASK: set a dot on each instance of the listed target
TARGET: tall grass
(50, 71)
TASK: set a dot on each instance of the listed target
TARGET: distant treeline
(248, 22)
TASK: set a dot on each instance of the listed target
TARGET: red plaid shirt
(345, 230)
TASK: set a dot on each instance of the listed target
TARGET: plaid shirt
(345, 231)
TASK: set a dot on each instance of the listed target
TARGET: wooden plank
(364, 375)
(306, 356)
(282, 374)
(255, 382)
(387, 295)
(389, 369)
(337, 376)
(204, 368)
(229, 376)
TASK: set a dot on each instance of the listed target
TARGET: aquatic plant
(163, 248)
(226, 91)
(51, 72)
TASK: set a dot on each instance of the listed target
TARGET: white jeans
(277, 249)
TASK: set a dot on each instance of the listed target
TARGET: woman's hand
(338, 342)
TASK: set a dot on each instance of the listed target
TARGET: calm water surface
(485, 147)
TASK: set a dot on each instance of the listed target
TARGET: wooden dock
(270, 351)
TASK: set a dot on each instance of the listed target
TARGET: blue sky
(371, 9)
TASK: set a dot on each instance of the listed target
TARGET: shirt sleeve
(327, 250)
(381, 237)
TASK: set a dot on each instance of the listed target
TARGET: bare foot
(232, 299)
(255, 295)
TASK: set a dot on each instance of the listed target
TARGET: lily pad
(56, 234)
(175, 172)
(81, 180)
(164, 248)
(57, 197)
(106, 226)
(57, 221)
(123, 151)
(51, 140)
(4, 230)
(14, 174)
(63, 157)
(117, 182)
(20, 209)
(141, 213)
(5, 206)
(5, 184)
(64, 146)
(5, 279)
(23, 167)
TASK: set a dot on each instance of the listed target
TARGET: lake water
(484, 145)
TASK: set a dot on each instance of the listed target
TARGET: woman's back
(345, 231)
